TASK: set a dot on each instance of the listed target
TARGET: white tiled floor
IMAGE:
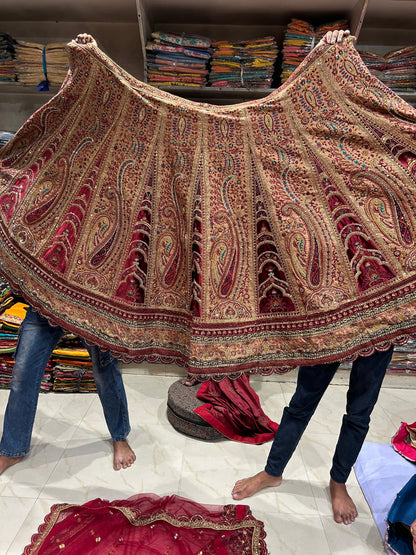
(71, 461)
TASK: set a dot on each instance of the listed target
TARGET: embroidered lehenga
(251, 237)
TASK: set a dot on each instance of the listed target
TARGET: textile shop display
(396, 69)
(72, 370)
(404, 441)
(151, 524)
(10, 321)
(243, 64)
(403, 362)
(229, 239)
(299, 40)
(178, 60)
(7, 57)
(41, 65)
(6, 296)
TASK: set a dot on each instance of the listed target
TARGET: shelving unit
(122, 29)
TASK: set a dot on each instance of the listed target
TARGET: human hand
(331, 37)
(84, 38)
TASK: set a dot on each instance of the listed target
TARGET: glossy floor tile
(71, 461)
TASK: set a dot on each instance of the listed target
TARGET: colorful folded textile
(396, 69)
(403, 361)
(247, 64)
(300, 38)
(72, 366)
(10, 321)
(7, 57)
(178, 60)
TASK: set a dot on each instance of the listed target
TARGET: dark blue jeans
(37, 340)
(366, 377)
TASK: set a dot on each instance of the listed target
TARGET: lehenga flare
(248, 237)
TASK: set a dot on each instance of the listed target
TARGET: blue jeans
(366, 377)
(37, 340)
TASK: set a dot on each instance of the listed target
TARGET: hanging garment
(247, 237)
(146, 523)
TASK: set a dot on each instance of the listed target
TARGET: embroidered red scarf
(250, 237)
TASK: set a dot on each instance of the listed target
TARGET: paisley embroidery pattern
(242, 238)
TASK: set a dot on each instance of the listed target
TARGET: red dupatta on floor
(251, 237)
(146, 523)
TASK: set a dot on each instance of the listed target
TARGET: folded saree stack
(403, 361)
(300, 38)
(396, 69)
(7, 58)
(38, 63)
(6, 297)
(247, 64)
(72, 366)
(10, 321)
(178, 60)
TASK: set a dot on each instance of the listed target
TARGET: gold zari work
(250, 237)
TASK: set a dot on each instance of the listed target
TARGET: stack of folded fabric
(243, 64)
(72, 372)
(7, 58)
(40, 65)
(300, 38)
(6, 296)
(10, 321)
(178, 60)
(298, 42)
(403, 361)
(396, 69)
(321, 30)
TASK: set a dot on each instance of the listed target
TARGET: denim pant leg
(311, 385)
(366, 377)
(37, 339)
(110, 389)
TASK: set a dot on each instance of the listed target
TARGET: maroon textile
(233, 408)
(146, 523)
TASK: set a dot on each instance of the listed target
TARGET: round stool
(182, 401)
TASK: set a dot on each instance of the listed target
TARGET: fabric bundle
(300, 38)
(178, 60)
(403, 361)
(247, 64)
(396, 69)
(72, 372)
(6, 296)
(10, 321)
(7, 57)
(40, 65)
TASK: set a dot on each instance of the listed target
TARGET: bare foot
(248, 486)
(123, 455)
(343, 506)
(5, 462)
